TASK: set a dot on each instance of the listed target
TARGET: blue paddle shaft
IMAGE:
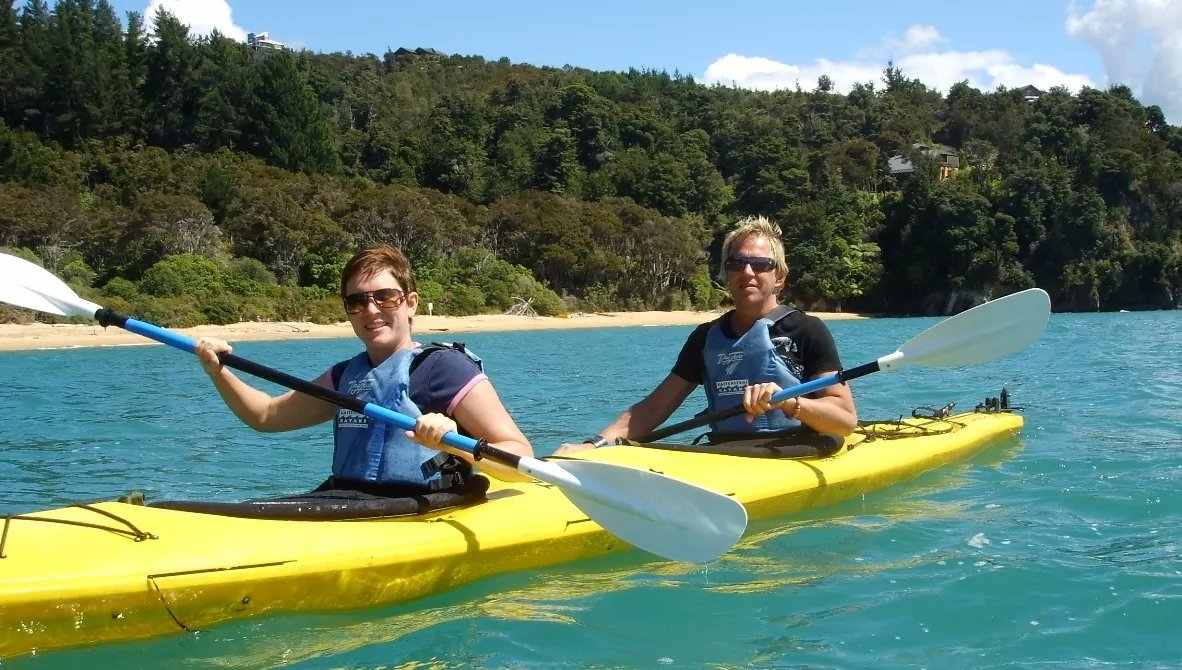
(825, 382)
(406, 423)
(159, 334)
(806, 388)
(107, 317)
(778, 397)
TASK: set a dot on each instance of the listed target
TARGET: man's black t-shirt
(802, 341)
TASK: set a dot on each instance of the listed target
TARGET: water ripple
(1060, 550)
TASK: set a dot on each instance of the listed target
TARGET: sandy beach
(14, 337)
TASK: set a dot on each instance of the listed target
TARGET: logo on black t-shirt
(788, 352)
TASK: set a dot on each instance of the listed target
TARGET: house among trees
(263, 41)
(949, 160)
(1029, 93)
(428, 53)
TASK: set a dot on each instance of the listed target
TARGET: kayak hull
(64, 585)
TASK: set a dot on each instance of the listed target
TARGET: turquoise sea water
(1057, 550)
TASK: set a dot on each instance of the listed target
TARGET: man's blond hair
(755, 226)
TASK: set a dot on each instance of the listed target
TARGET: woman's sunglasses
(386, 298)
(757, 263)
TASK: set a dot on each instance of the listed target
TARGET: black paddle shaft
(108, 317)
(703, 419)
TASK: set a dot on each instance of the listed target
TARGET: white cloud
(202, 16)
(917, 38)
(914, 54)
(1140, 42)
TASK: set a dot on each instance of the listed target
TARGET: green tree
(182, 275)
(288, 125)
(227, 80)
(170, 84)
(615, 188)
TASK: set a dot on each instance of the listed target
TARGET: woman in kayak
(746, 355)
(442, 386)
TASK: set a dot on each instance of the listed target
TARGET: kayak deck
(143, 572)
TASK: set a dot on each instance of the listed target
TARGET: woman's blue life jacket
(377, 452)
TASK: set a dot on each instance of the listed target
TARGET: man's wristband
(795, 410)
(597, 441)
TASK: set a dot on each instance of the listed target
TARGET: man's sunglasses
(757, 263)
(386, 298)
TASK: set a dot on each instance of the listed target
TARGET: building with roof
(946, 155)
(263, 41)
(1029, 93)
(429, 53)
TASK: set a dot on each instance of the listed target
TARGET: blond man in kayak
(747, 355)
(442, 386)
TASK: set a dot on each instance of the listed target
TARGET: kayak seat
(327, 503)
(796, 443)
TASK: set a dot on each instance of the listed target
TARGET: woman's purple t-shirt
(440, 380)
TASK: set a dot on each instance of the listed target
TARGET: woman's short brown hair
(373, 262)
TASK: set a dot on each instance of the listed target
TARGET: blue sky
(754, 44)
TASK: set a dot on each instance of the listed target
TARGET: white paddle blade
(16, 295)
(31, 286)
(659, 514)
(987, 332)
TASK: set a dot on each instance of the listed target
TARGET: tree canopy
(197, 179)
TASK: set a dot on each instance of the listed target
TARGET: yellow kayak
(115, 571)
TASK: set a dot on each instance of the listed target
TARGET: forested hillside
(194, 179)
